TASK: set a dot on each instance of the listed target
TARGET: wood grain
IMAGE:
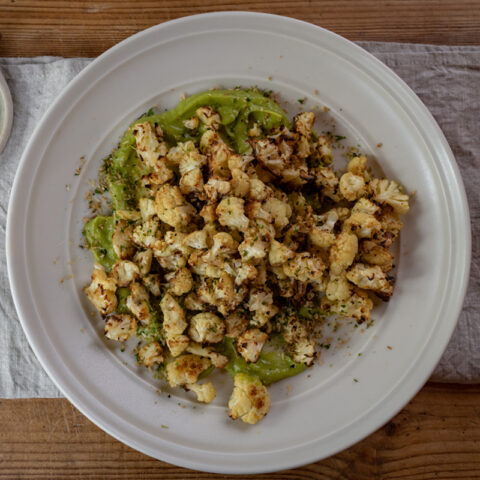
(88, 28)
(436, 436)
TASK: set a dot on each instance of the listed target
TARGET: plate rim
(85, 408)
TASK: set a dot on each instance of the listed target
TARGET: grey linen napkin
(447, 79)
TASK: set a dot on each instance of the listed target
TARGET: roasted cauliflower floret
(209, 117)
(321, 232)
(148, 147)
(217, 188)
(198, 240)
(153, 284)
(172, 208)
(218, 154)
(358, 166)
(171, 252)
(226, 296)
(249, 400)
(371, 278)
(236, 323)
(122, 239)
(191, 123)
(205, 392)
(145, 235)
(358, 306)
(101, 291)
(305, 267)
(304, 123)
(300, 343)
(192, 182)
(177, 344)
(338, 287)
(120, 327)
(173, 316)
(352, 186)
(390, 227)
(250, 344)
(125, 272)
(231, 213)
(151, 354)
(240, 183)
(180, 282)
(185, 369)
(279, 253)
(343, 252)
(219, 360)
(373, 254)
(138, 303)
(143, 259)
(258, 190)
(327, 181)
(206, 327)
(280, 211)
(390, 192)
(147, 208)
(260, 302)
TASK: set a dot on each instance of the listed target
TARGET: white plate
(326, 411)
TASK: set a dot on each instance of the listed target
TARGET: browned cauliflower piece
(171, 252)
(236, 323)
(216, 188)
(279, 253)
(249, 400)
(172, 208)
(260, 302)
(122, 240)
(390, 192)
(304, 123)
(153, 284)
(143, 259)
(343, 252)
(240, 183)
(151, 354)
(180, 281)
(209, 117)
(250, 344)
(173, 315)
(358, 166)
(120, 327)
(231, 213)
(125, 272)
(145, 235)
(137, 303)
(219, 360)
(373, 254)
(185, 369)
(371, 278)
(205, 392)
(300, 343)
(101, 291)
(351, 186)
(328, 182)
(358, 306)
(305, 267)
(338, 287)
(206, 327)
(279, 210)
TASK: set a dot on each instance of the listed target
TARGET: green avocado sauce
(239, 110)
(98, 235)
(272, 366)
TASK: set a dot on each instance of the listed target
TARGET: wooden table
(436, 436)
